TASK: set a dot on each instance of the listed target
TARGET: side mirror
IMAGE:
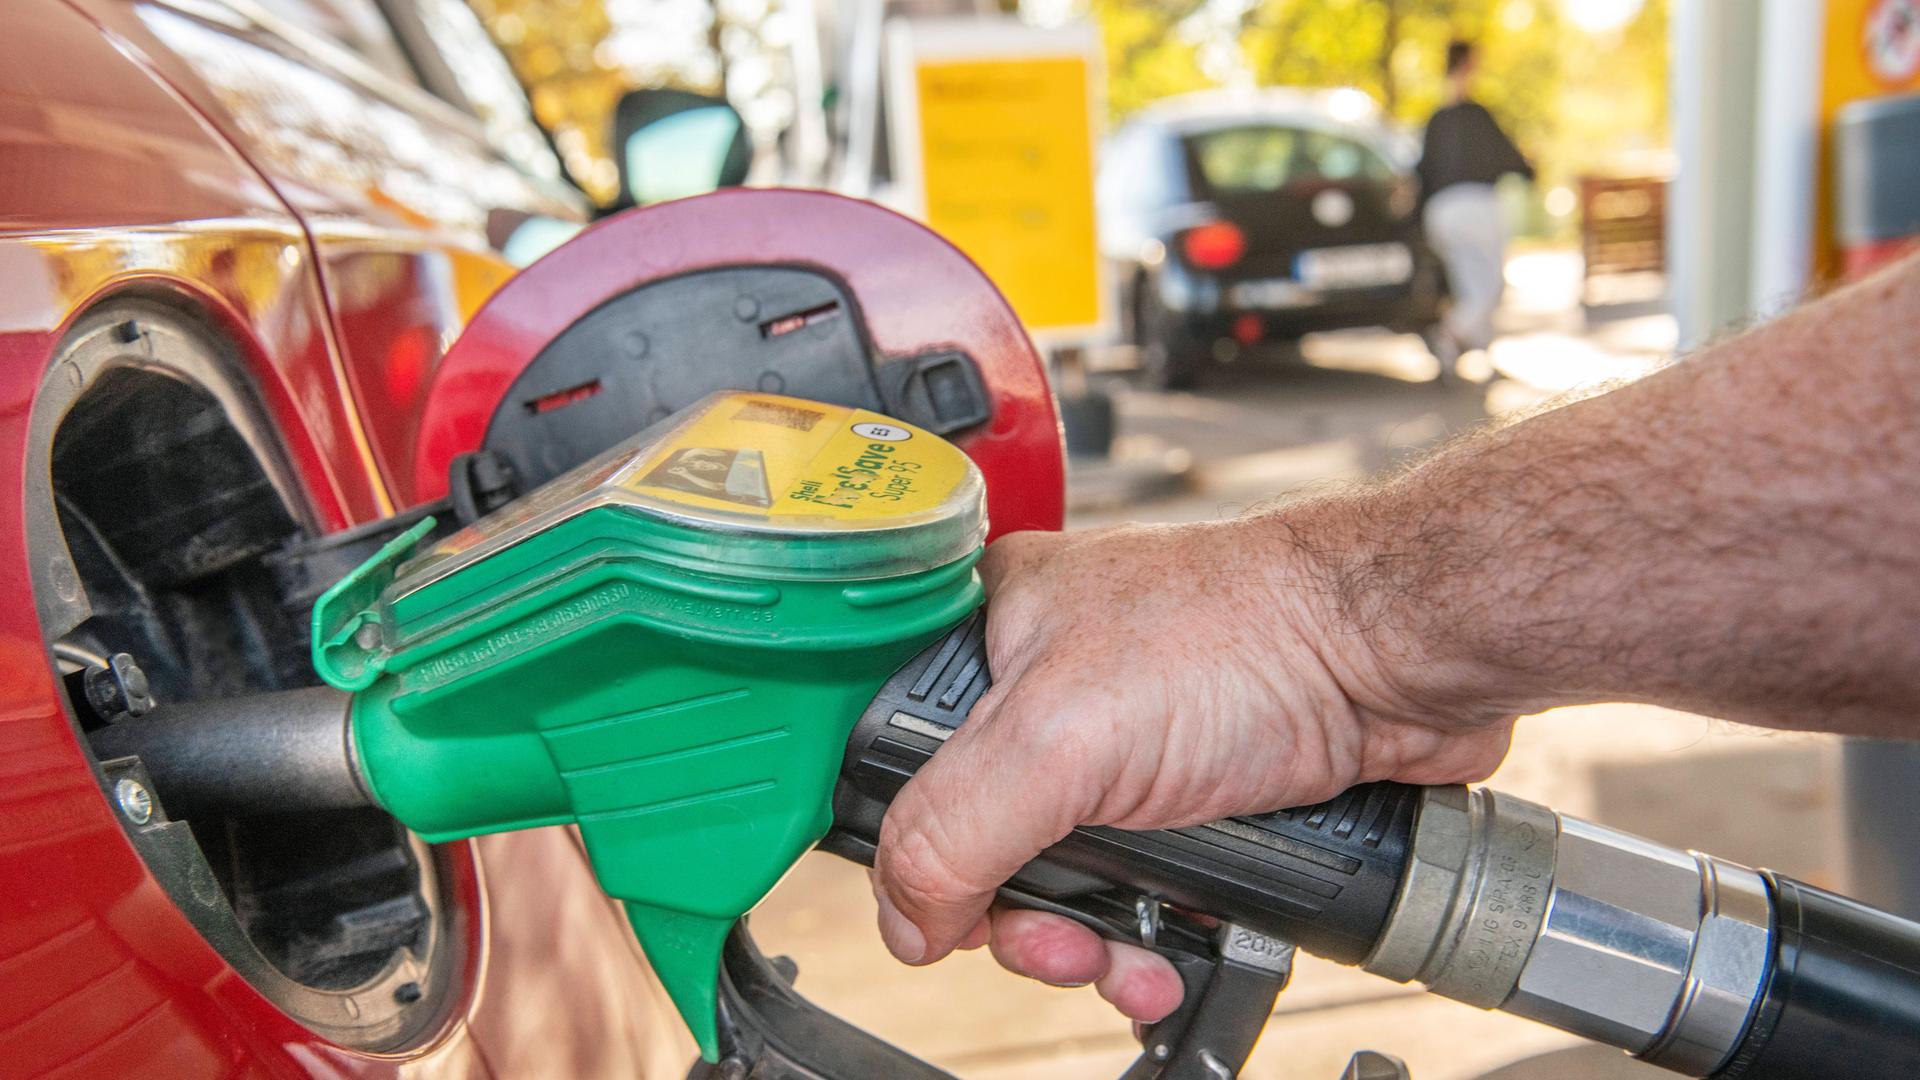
(670, 144)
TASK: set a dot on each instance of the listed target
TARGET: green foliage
(552, 47)
(1576, 102)
(1147, 57)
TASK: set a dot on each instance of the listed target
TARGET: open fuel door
(790, 292)
(774, 293)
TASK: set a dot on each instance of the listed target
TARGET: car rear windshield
(1264, 158)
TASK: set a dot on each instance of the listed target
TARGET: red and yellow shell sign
(1872, 49)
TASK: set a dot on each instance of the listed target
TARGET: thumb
(1001, 791)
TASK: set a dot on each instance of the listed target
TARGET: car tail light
(1215, 245)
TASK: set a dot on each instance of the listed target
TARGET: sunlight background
(1582, 84)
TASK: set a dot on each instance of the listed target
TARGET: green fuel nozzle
(667, 647)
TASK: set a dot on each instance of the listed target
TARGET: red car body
(128, 174)
(335, 233)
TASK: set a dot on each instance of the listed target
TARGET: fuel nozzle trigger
(1231, 976)
(1230, 990)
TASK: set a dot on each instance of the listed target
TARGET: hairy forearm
(1738, 534)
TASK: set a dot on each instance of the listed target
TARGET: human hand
(1145, 678)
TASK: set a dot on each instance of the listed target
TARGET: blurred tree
(552, 47)
(1612, 109)
(1395, 50)
(577, 57)
(1148, 54)
(1578, 96)
(574, 59)
(1577, 99)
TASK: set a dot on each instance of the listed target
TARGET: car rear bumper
(1208, 306)
(1400, 308)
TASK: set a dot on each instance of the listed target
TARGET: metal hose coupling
(1509, 905)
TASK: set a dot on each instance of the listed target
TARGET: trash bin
(1876, 156)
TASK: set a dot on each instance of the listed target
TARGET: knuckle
(1001, 552)
(1005, 553)
(1021, 542)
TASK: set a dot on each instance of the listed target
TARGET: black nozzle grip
(1323, 877)
(1842, 994)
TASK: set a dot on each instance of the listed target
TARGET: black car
(1229, 220)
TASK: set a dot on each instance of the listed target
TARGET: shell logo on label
(1892, 40)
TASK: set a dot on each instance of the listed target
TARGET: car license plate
(1358, 267)
(1270, 294)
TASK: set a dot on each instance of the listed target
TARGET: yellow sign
(1872, 49)
(776, 457)
(1004, 149)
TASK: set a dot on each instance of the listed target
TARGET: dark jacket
(1465, 145)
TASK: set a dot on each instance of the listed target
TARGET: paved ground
(1360, 401)
(1253, 431)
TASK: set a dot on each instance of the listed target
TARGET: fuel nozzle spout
(272, 753)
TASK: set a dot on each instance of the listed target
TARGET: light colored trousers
(1467, 230)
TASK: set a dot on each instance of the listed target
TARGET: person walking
(1463, 154)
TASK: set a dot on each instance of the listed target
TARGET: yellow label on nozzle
(741, 464)
(774, 457)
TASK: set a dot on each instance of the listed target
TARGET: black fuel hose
(1842, 994)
